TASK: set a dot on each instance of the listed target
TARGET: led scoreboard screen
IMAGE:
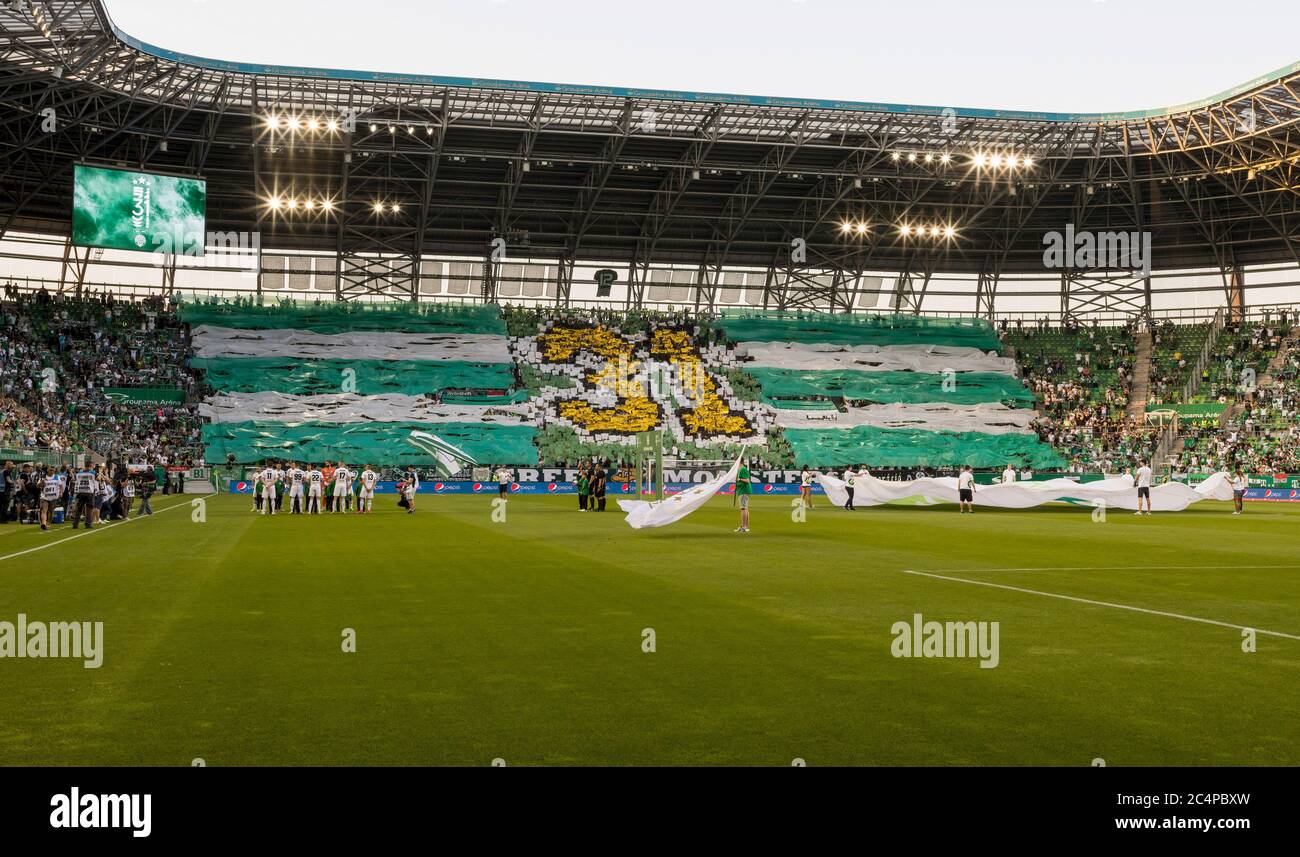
(127, 210)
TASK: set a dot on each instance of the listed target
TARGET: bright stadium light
(327, 204)
(313, 124)
(379, 208)
(309, 204)
(928, 157)
(862, 229)
(846, 227)
(293, 204)
(978, 159)
(373, 127)
(1029, 162)
(272, 122)
(949, 232)
(396, 208)
(895, 156)
(332, 125)
(944, 158)
(275, 202)
(911, 157)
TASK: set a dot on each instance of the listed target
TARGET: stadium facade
(432, 188)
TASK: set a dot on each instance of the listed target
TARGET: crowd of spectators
(1263, 438)
(1081, 376)
(59, 353)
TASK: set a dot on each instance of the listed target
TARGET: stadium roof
(637, 177)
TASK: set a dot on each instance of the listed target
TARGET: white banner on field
(993, 418)
(350, 408)
(212, 341)
(1115, 493)
(642, 513)
(807, 357)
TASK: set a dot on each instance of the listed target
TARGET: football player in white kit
(315, 489)
(366, 499)
(268, 489)
(342, 488)
(297, 481)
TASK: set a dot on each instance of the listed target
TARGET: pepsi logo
(552, 487)
(767, 489)
(478, 486)
(438, 486)
(627, 487)
(241, 486)
(514, 486)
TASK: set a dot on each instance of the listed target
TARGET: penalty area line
(1109, 604)
(99, 529)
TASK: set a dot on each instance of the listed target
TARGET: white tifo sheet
(1116, 493)
(643, 513)
(821, 356)
(994, 418)
(273, 406)
(213, 341)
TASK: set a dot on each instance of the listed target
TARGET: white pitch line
(1122, 568)
(98, 529)
(1106, 603)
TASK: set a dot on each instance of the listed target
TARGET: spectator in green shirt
(743, 492)
(584, 489)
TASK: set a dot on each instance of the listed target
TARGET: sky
(1050, 55)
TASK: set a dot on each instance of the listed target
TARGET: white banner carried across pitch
(1115, 493)
(642, 514)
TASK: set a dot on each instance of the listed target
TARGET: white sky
(1049, 55)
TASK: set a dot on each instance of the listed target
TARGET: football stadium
(359, 418)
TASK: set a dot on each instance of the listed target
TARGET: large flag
(642, 514)
(890, 390)
(450, 459)
(1118, 492)
(337, 381)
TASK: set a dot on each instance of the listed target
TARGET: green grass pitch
(523, 640)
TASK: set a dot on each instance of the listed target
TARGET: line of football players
(310, 490)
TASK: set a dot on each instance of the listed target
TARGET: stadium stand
(541, 386)
(1253, 379)
(1081, 377)
(72, 368)
(1174, 354)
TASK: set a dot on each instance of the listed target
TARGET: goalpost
(650, 463)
